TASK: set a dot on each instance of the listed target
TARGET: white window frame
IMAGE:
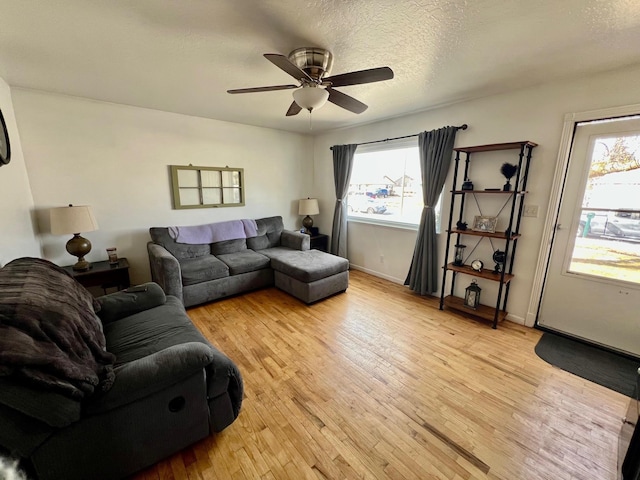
(379, 147)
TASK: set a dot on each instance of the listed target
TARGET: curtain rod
(464, 126)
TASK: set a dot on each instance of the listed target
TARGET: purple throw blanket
(214, 232)
(50, 336)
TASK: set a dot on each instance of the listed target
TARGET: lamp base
(307, 223)
(81, 265)
(79, 247)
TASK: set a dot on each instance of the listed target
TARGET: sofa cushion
(201, 269)
(277, 252)
(245, 261)
(229, 246)
(160, 235)
(310, 265)
(269, 230)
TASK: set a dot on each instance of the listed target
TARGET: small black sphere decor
(508, 170)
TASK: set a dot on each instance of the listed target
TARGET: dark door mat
(605, 368)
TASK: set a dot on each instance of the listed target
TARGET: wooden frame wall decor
(207, 187)
(482, 223)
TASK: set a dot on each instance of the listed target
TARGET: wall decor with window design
(207, 187)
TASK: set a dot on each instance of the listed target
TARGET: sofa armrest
(130, 301)
(295, 240)
(165, 270)
(153, 373)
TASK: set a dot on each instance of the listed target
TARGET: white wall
(116, 157)
(534, 114)
(16, 203)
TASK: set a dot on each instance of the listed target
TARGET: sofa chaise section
(310, 276)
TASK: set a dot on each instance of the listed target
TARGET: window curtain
(342, 167)
(436, 150)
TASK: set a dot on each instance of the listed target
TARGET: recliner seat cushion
(202, 269)
(244, 262)
(150, 331)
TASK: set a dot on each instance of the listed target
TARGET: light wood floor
(378, 383)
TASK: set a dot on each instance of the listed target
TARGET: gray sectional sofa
(198, 273)
(101, 388)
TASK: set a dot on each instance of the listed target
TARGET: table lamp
(74, 220)
(308, 207)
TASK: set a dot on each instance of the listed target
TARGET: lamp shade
(310, 97)
(72, 219)
(308, 206)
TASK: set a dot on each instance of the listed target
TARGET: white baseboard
(512, 318)
(516, 319)
(377, 274)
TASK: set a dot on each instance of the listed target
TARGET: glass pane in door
(607, 244)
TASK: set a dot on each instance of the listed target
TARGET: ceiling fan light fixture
(310, 97)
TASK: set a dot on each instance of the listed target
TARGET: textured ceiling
(182, 56)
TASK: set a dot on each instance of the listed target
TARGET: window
(386, 185)
(206, 187)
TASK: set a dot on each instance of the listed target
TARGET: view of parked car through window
(386, 185)
(608, 233)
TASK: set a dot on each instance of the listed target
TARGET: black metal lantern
(500, 258)
(472, 295)
(459, 256)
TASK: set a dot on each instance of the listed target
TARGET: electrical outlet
(381, 258)
(530, 211)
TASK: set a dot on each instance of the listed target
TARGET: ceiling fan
(309, 65)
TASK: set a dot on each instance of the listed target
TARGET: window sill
(383, 223)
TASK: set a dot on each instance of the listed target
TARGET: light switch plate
(530, 211)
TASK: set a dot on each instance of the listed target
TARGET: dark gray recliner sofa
(167, 388)
(201, 273)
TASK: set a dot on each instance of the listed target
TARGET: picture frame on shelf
(483, 223)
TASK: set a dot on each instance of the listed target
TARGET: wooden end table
(319, 242)
(103, 274)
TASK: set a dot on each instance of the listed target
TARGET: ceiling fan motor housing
(315, 62)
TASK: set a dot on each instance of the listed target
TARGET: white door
(592, 285)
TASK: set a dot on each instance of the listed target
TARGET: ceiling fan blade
(283, 63)
(294, 109)
(362, 76)
(262, 89)
(345, 101)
